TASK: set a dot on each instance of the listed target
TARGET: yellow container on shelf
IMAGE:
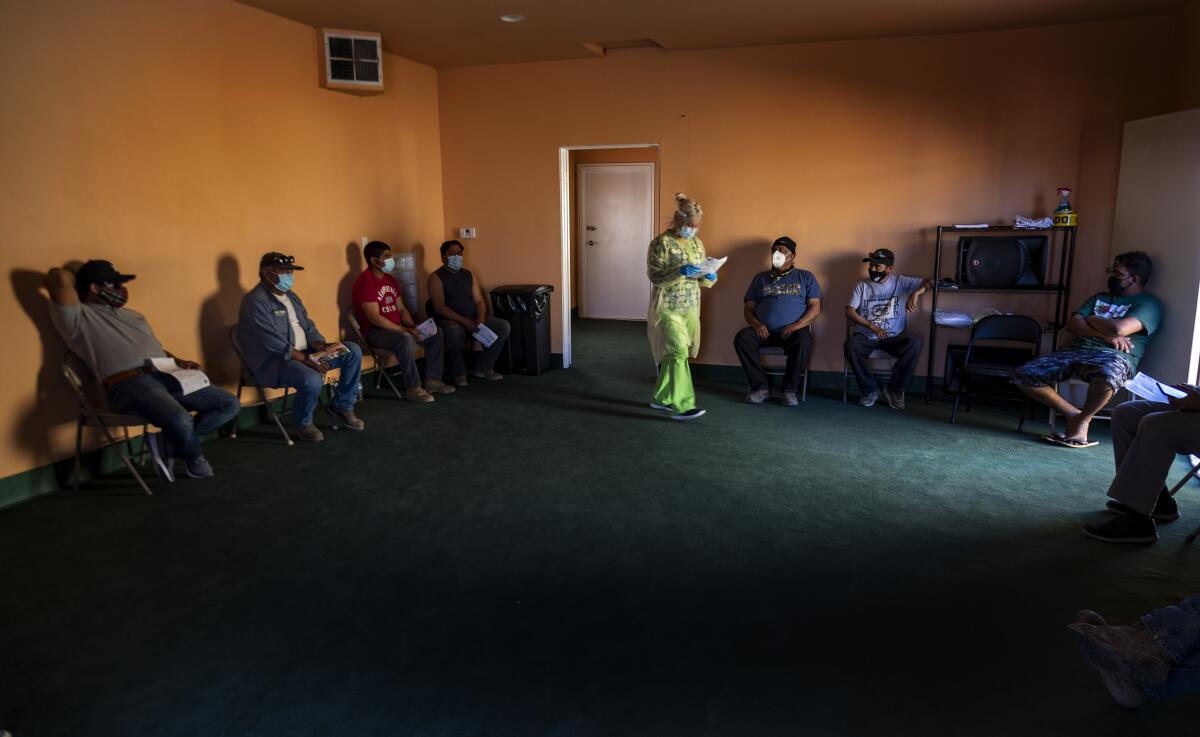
(1062, 219)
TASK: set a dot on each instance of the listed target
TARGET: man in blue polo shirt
(780, 306)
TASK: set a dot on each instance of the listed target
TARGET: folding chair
(777, 365)
(875, 362)
(98, 414)
(1194, 473)
(1008, 328)
(380, 356)
(244, 377)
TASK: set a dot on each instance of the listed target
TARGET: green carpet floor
(549, 556)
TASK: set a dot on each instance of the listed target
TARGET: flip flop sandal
(1053, 437)
(1070, 443)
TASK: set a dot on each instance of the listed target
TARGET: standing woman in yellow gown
(673, 324)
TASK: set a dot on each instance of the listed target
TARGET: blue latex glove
(711, 277)
(689, 270)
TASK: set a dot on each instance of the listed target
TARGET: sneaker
(895, 399)
(1131, 651)
(1127, 528)
(308, 432)
(198, 468)
(490, 375)
(436, 386)
(789, 399)
(417, 394)
(1165, 509)
(758, 396)
(460, 380)
(691, 414)
(656, 405)
(160, 457)
(868, 399)
(346, 418)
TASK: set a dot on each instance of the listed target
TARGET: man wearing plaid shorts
(1112, 330)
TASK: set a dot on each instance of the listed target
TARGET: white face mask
(778, 259)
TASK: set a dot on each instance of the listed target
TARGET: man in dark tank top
(456, 302)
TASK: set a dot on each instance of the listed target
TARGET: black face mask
(1115, 286)
(877, 276)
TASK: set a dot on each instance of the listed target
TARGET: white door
(616, 224)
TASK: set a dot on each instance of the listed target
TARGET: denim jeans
(157, 398)
(1177, 629)
(308, 383)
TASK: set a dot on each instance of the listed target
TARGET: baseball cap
(786, 242)
(99, 272)
(275, 258)
(881, 256)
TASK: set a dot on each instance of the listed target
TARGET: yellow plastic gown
(673, 322)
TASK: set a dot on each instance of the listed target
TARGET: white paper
(427, 329)
(972, 226)
(711, 265)
(1150, 388)
(190, 380)
(485, 335)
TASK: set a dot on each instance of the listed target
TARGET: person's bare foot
(1077, 427)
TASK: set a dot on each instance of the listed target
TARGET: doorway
(608, 271)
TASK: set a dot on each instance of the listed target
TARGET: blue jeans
(1177, 628)
(308, 383)
(157, 398)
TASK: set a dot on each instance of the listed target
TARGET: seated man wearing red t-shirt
(387, 325)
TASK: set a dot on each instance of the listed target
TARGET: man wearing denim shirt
(277, 337)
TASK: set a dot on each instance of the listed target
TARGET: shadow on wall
(218, 313)
(345, 290)
(53, 404)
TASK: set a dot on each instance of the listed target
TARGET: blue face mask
(389, 265)
(688, 231)
(285, 283)
(454, 262)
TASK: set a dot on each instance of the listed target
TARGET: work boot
(418, 395)
(490, 375)
(344, 418)
(437, 386)
(308, 432)
(1131, 651)
(895, 399)
(460, 380)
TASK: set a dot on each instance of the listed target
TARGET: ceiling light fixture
(512, 18)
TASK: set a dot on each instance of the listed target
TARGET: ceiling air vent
(353, 60)
(604, 48)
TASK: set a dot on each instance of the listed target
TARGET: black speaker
(1002, 261)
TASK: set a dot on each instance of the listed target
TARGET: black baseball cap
(99, 272)
(275, 258)
(786, 242)
(881, 256)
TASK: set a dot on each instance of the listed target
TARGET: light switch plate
(466, 232)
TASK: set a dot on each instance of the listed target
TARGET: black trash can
(527, 309)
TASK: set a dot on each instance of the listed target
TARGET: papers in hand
(711, 266)
(190, 380)
(485, 335)
(329, 352)
(1150, 388)
(427, 329)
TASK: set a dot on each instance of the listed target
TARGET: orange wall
(845, 146)
(181, 140)
(1186, 76)
(597, 156)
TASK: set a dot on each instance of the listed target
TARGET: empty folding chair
(1011, 329)
(96, 413)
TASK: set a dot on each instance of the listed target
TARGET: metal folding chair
(244, 378)
(1194, 473)
(875, 363)
(378, 355)
(1007, 328)
(97, 413)
(777, 366)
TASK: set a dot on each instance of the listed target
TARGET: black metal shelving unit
(1065, 242)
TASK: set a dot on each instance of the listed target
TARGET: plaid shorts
(1084, 364)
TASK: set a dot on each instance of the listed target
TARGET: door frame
(581, 196)
(564, 213)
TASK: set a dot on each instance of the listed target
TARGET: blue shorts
(1084, 364)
